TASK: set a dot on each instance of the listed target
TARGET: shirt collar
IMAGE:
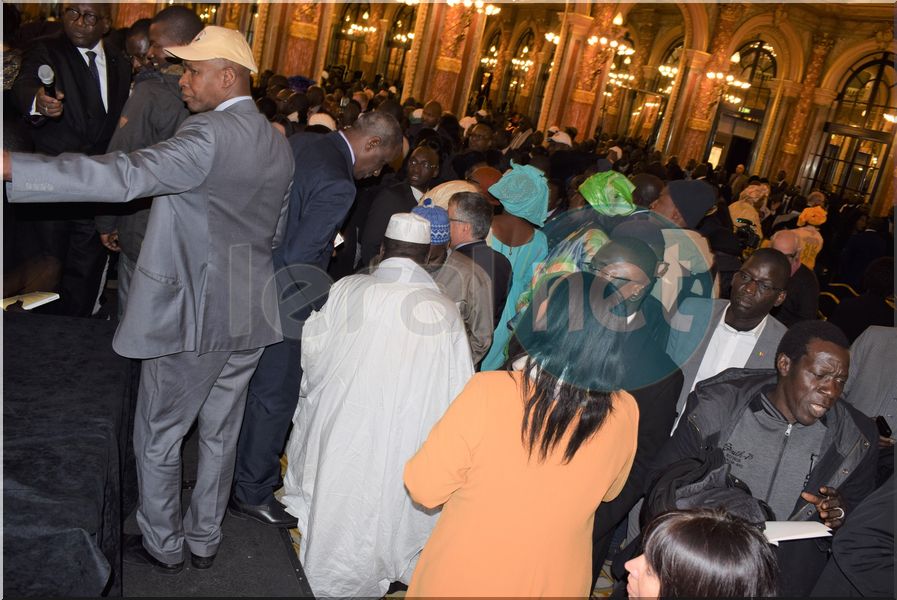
(351, 152)
(98, 50)
(754, 333)
(230, 102)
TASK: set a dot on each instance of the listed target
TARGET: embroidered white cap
(406, 227)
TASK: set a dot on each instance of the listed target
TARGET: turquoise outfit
(524, 260)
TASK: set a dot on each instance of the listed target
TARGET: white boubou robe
(381, 361)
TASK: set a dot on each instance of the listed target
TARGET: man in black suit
(321, 196)
(470, 217)
(92, 82)
(423, 166)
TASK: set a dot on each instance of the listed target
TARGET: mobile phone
(884, 430)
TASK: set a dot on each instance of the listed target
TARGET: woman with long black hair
(523, 457)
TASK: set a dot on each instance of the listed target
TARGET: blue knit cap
(439, 223)
(523, 191)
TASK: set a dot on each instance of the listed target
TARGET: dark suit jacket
(497, 267)
(85, 126)
(322, 194)
(391, 200)
(687, 345)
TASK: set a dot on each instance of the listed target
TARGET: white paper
(780, 531)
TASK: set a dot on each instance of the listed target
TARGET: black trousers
(270, 404)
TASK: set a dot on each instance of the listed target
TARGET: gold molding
(449, 64)
(699, 124)
(583, 96)
(304, 31)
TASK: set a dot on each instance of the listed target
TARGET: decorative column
(797, 126)
(706, 103)
(685, 84)
(560, 63)
(303, 40)
(591, 70)
(127, 13)
(258, 43)
(232, 13)
(412, 60)
(446, 75)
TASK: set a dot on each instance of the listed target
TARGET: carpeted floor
(254, 560)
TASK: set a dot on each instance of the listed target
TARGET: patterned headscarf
(815, 215)
(609, 193)
(523, 191)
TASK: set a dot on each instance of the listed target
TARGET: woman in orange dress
(521, 459)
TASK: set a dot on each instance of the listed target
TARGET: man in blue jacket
(322, 194)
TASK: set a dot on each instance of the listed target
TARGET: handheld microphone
(48, 78)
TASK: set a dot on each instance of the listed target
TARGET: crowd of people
(494, 358)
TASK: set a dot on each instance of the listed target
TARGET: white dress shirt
(728, 348)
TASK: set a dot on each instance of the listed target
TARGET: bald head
(432, 113)
(787, 242)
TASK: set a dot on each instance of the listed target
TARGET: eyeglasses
(745, 278)
(421, 163)
(457, 220)
(73, 14)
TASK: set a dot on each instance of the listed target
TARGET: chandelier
(489, 62)
(553, 38)
(479, 5)
(730, 79)
(356, 29)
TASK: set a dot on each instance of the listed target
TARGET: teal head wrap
(523, 191)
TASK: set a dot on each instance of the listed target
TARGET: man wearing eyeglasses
(92, 81)
(401, 197)
(736, 333)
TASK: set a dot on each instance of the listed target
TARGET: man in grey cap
(199, 311)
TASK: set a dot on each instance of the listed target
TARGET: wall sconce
(553, 38)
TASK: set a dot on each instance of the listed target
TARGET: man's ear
(780, 298)
(228, 77)
(783, 364)
(373, 142)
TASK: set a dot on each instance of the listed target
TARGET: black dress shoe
(273, 513)
(134, 553)
(202, 562)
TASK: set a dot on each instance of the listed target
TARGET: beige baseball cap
(217, 42)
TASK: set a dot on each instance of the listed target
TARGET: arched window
(398, 42)
(521, 63)
(485, 72)
(348, 36)
(744, 101)
(668, 68)
(868, 96)
(756, 65)
(858, 137)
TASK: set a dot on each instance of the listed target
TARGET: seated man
(381, 362)
(708, 337)
(802, 300)
(787, 437)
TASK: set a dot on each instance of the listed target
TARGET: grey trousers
(175, 391)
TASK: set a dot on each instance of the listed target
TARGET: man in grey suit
(709, 336)
(202, 303)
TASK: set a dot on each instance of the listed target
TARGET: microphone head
(46, 75)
